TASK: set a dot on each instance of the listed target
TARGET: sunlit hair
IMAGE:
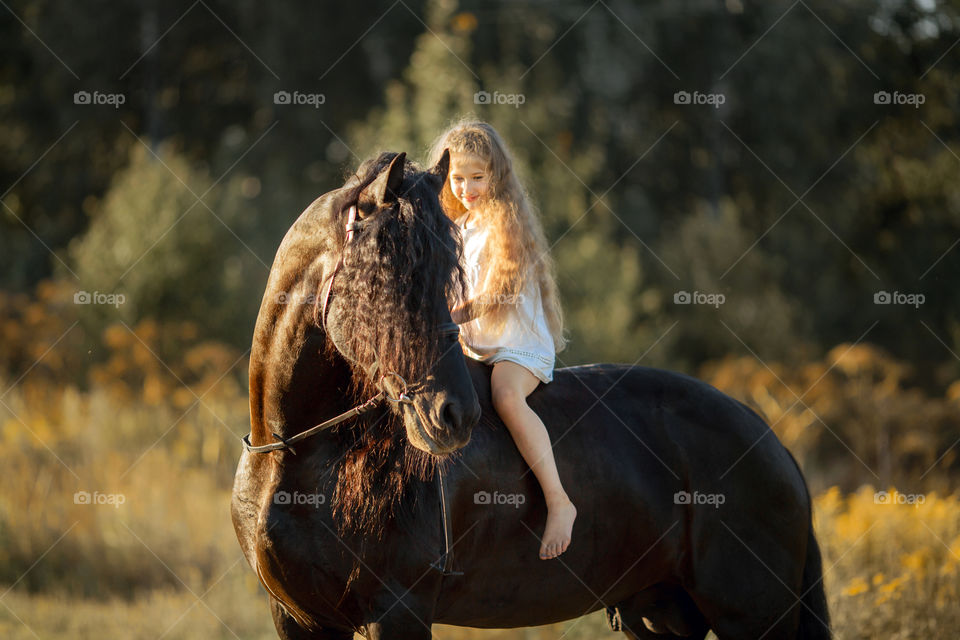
(516, 247)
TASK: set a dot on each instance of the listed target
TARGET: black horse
(691, 514)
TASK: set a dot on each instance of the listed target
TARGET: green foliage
(644, 197)
(641, 196)
(437, 86)
(754, 308)
(169, 241)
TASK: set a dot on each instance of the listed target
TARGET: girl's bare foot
(557, 533)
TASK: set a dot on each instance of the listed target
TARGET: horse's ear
(386, 188)
(439, 171)
(394, 179)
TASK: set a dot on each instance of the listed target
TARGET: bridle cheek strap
(350, 227)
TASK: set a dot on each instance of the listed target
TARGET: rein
(372, 403)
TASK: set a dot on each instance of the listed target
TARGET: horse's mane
(400, 271)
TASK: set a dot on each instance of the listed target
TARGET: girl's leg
(510, 385)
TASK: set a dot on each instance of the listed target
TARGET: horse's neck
(293, 382)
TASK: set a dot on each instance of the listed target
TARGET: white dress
(525, 337)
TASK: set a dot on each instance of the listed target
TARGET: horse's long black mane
(399, 274)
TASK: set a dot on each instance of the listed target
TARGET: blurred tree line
(798, 198)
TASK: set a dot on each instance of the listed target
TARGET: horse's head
(387, 308)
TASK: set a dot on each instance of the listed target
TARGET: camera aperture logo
(97, 498)
(85, 297)
(298, 497)
(697, 498)
(297, 98)
(97, 98)
(485, 497)
(699, 297)
(513, 99)
(912, 299)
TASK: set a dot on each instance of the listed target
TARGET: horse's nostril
(451, 415)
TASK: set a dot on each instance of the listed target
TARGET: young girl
(512, 318)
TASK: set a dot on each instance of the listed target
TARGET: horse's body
(633, 546)
(627, 440)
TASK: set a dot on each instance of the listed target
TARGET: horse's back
(699, 426)
(655, 421)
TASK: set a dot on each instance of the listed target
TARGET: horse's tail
(814, 614)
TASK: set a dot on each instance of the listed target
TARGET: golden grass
(891, 567)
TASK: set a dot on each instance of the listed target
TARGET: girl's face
(469, 179)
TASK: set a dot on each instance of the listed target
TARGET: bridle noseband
(403, 397)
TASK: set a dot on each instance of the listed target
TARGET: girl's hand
(460, 315)
(469, 310)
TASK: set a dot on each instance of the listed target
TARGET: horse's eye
(366, 209)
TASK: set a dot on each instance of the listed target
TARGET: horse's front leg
(288, 629)
(400, 616)
(410, 629)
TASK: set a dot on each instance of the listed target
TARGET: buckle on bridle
(403, 397)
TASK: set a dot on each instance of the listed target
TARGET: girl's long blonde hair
(516, 246)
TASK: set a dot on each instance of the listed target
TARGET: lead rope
(445, 568)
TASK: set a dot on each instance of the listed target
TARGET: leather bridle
(403, 397)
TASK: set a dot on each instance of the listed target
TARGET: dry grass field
(114, 516)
